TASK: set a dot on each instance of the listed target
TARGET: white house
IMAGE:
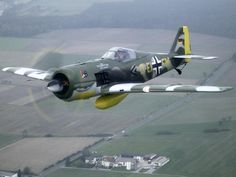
(8, 174)
(129, 163)
(92, 160)
(108, 161)
(161, 161)
(132, 155)
(150, 157)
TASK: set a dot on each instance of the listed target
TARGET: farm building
(149, 157)
(132, 155)
(8, 174)
(161, 161)
(92, 160)
(108, 161)
(129, 163)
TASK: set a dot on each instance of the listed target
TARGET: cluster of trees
(203, 17)
(234, 57)
(26, 172)
(26, 26)
(223, 125)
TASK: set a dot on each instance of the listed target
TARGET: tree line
(201, 16)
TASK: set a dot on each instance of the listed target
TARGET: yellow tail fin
(181, 45)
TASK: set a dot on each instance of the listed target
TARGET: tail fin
(181, 45)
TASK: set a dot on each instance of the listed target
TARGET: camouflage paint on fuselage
(118, 72)
(83, 75)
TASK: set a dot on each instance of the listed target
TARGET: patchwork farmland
(53, 116)
(26, 105)
(39, 153)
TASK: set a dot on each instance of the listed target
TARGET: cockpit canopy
(120, 54)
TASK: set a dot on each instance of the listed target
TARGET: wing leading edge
(196, 57)
(148, 88)
(122, 88)
(29, 72)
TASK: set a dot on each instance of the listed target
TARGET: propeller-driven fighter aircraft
(118, 72)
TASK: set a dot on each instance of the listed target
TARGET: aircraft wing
(196, 57)
(148, 88)
(29, 72)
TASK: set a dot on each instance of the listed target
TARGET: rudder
(181, 45)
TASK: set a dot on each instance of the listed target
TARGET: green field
(135, 109)
(8, 44)
(84, 114)
(96, 173)
(192, 151)
(196, 69)
(7, 139)
(56, 60)
(65, 7)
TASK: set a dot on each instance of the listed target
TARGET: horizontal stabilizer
(196, 57)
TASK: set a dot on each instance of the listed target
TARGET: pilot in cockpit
(121, 55)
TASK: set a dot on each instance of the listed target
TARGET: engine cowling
(66, 85)
(61, 86)
(63, 82)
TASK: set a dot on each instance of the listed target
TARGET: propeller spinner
(55, 86)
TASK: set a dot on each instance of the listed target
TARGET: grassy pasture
(187, 147)
(7, 139)
(202, 154)
(13, 44)
(39, 153)
(67, 7)
(83, 118)
(96, 173)
(56, 60)
(196, 69)
(75, 118)
(192, 151)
